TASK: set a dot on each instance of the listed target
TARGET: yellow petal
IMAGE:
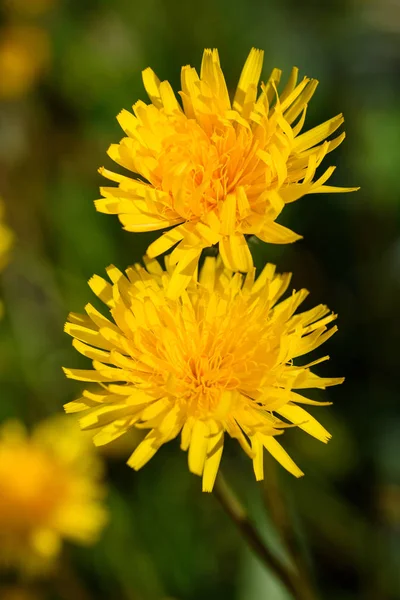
(246, 92)
(280, 455)
(127, 121)
(103, 415)
(331, 189)
(110, 432)
(190, 90)
(290, 85)
(317, 134)
(152, 86)
(300, 417)
(300, 105)
(198, 447)
(145, 451)
(212, 462)
(102, 289)
(165, 242)
(269, 89)
(227, 215)
(274, 233)
(142, 222)
(85, 375)
(211, 73)
(235, 253)
(258, 458)
(183, 273)
(85, 334)
(90, 352)
(170, 103)
(207, 273)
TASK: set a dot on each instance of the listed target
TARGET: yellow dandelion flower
(49, 490)
(6, 242)
(213, 170)
(219, 359)
(24, 56)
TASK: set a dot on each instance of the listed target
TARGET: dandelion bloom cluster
(49, 490)
(215, 170)
(218, 359)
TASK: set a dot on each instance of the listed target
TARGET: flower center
(204, 382)
(206, 357)
(198, 169)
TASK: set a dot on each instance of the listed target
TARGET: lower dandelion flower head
(217, 170)
(49, 490)
(217, 360)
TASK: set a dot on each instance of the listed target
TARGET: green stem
(277, 509)
(235, 510)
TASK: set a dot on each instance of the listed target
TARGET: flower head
(217, 170)
(6, 242)
(24, 56)
(49, 490)
(219, 359)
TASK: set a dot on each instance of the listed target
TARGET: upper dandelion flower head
(217, 170)
(219, 359)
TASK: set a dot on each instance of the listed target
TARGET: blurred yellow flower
(6, 238)
(6, 241)
(219, 359)
(49, 490)
(217, 170)
(24, 55)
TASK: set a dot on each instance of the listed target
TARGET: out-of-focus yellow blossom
(6, 241)
(217, 170)
(218, 359)
(49, 490)
(6, 238)
(24, 55)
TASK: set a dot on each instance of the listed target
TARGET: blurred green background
(66, 69)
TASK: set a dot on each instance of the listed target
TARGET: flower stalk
(277, 508)
(288, 575)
